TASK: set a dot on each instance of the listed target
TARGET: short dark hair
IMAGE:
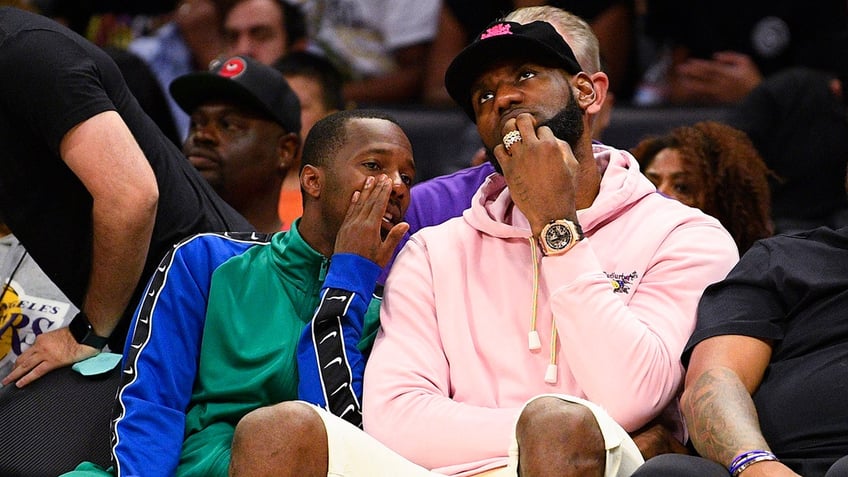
(329, 134)
(320, 70)
(294, 21)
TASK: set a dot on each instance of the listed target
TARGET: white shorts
(354, 453)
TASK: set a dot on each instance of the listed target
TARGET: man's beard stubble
(566, 125)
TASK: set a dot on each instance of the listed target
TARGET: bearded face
(566, 125)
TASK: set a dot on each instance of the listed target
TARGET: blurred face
(197, 14)
(311, 98)
(668, 172)
(255, 28)
(373, 147)
(512, 87)
(236, 151)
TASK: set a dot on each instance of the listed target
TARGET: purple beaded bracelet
(747, 459)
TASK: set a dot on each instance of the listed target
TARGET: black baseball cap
(501, 40)
(244, 81)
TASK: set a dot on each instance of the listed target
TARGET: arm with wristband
(723, 373)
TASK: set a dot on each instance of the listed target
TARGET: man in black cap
(244, 134)
(548, 319)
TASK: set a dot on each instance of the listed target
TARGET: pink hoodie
(452, 368)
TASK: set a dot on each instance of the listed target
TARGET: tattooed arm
(723, 373)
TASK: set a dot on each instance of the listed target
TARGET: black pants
(57, 422)
(679, 465)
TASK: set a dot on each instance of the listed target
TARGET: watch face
(558, 236)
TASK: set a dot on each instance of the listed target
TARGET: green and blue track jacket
(217, 336)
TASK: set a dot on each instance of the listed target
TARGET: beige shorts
(353, 453)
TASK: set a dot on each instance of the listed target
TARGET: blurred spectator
(263, 29)
(188, 42)
(612, 22)
(715, 168)
(379, 46)
(706, 56)
(318, 86)
(798, 121)
(316, 82)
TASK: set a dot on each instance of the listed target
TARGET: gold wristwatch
(559, 236)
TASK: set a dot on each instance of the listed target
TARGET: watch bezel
(564, 236)
(575, 234)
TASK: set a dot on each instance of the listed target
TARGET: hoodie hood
(622, 184)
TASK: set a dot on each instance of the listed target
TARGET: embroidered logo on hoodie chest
(621, 282)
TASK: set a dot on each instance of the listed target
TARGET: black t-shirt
(53, 80)
(792, 289)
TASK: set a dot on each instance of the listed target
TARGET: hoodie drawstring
(533, 337)
(535, 343)
(551, 372)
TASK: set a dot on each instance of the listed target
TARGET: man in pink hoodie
(549, 318)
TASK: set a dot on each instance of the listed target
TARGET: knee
(283, 421)
(285, 439)
(557, 437)
(557, 415)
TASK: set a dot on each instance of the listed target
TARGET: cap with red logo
(537, 41)
(245, 82)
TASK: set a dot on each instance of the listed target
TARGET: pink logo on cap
(497, 30)
(232, 68)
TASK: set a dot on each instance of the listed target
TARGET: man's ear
(288, 146)
(311, 181)
(594, 92)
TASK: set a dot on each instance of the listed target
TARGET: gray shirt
(30, 304)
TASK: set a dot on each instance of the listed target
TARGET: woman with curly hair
(715, 168)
